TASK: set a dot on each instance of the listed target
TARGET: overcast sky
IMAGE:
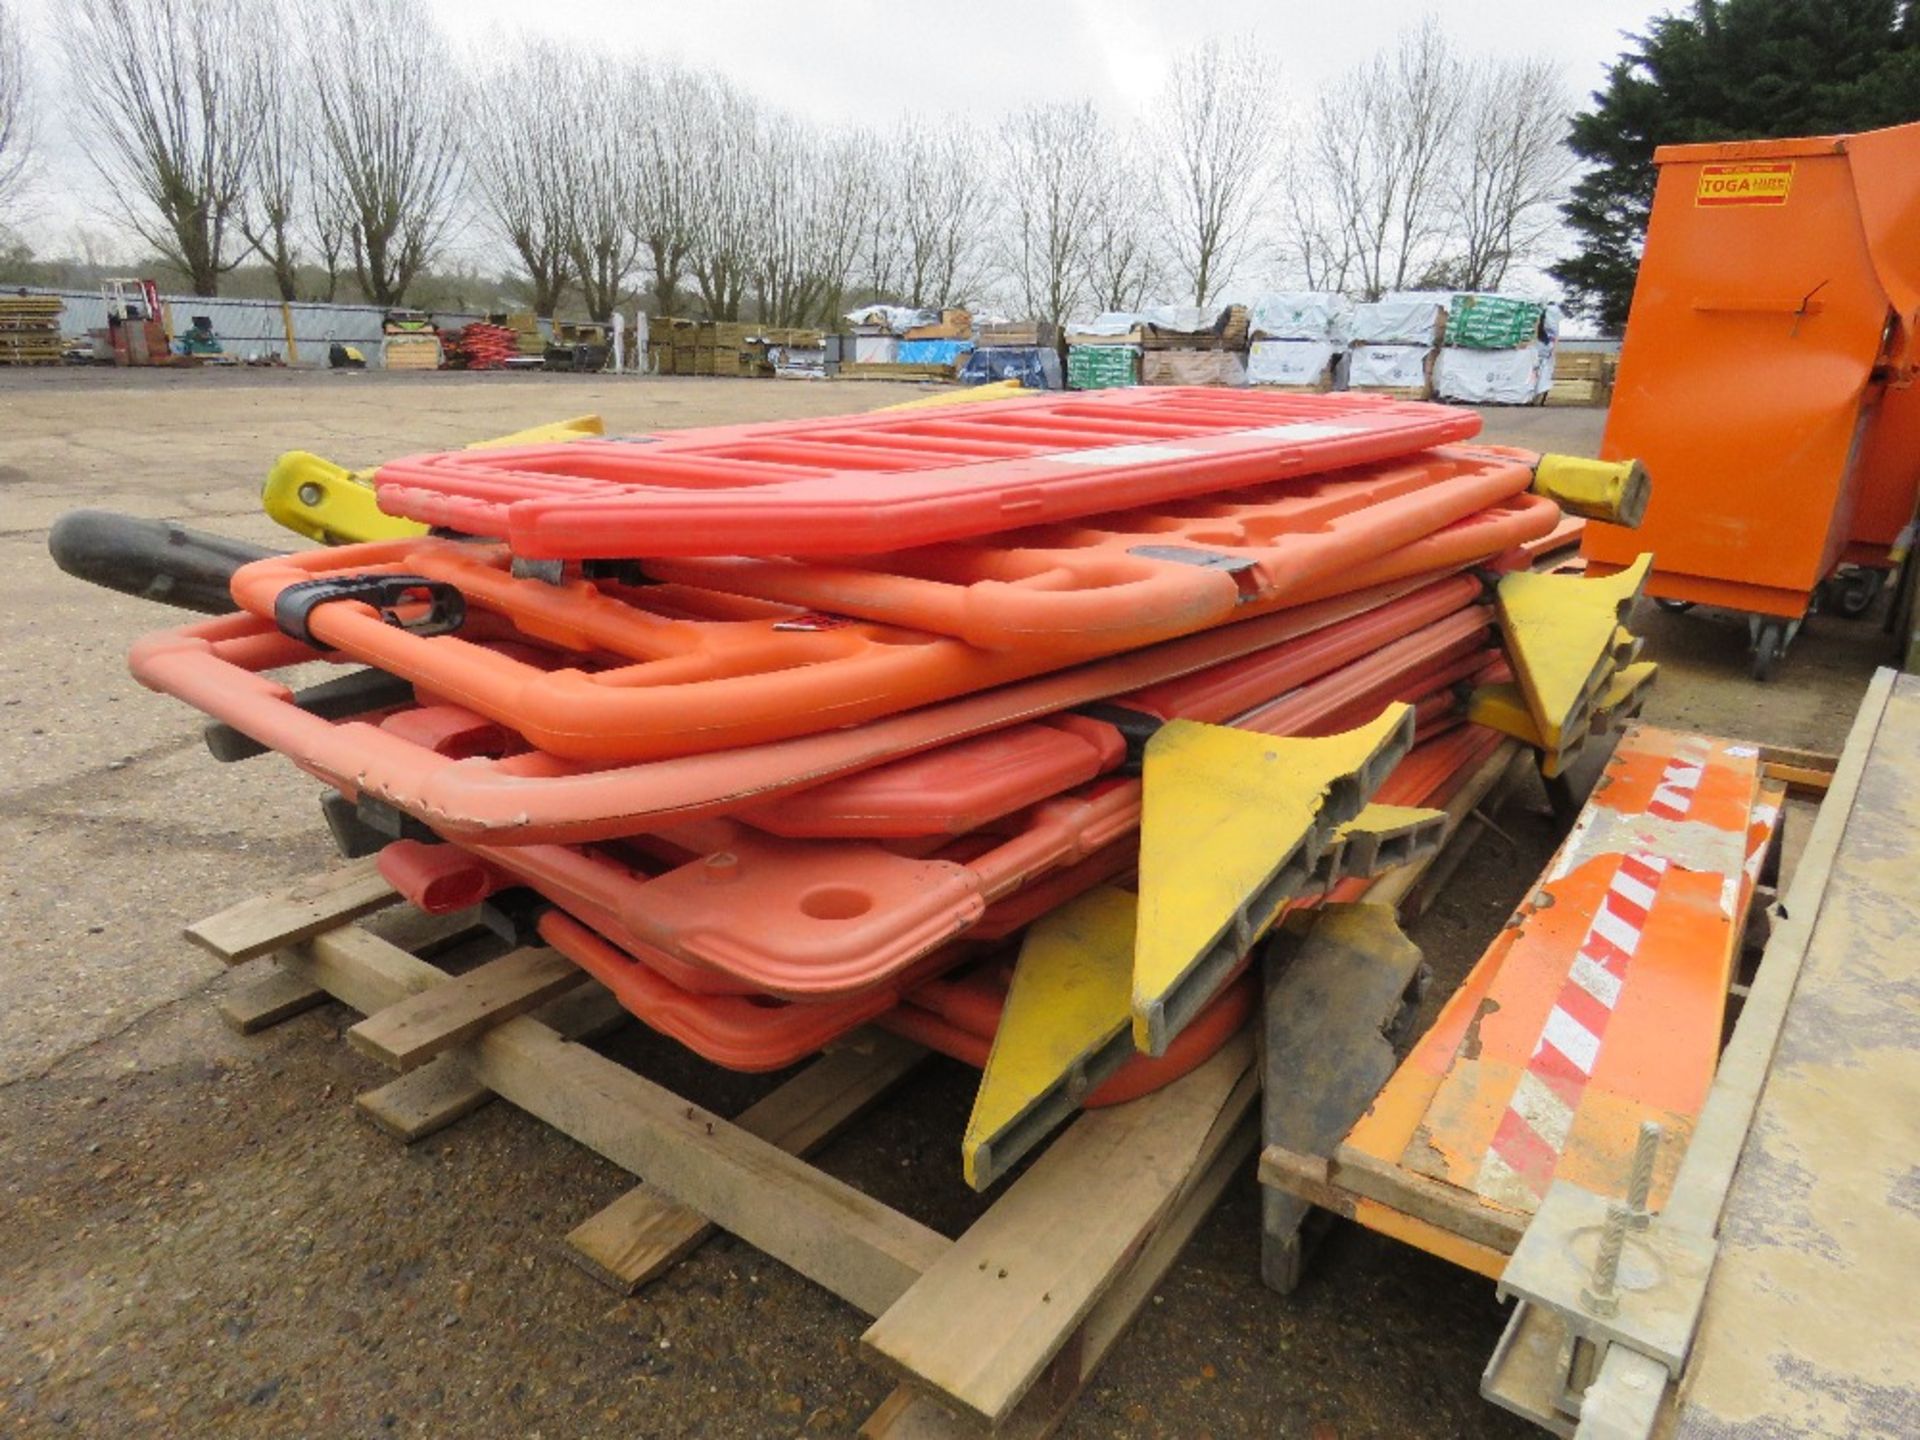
(875, 60)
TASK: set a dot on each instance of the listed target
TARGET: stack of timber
(30, 330)
(1191, 345)
(1395, 340)
(1299, 340)
(1582, 377)
(712, 347)
(410, 342)
(1497, 350)
(1104, 352)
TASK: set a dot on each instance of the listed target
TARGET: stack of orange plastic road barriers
(783, 729)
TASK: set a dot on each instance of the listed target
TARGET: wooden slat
(644, 1233)
(409, 1034)
(851, 1244)
(982, 1325)
(909, 1413)
(269, 922)
(443, 1091)
(424, 1101)
(1445, 1206)
(275, 996)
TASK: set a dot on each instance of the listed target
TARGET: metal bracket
(1659, 1288)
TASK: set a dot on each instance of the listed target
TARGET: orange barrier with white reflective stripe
(863, 484)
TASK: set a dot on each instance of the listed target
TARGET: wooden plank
(409, 1034)
(644, 1233)
(269, 922)
(984, 1322)
(425, 1101)
(909, 1413)
(854, 1246)
(1397, 886)
(275, 996)
(845, 1241)
(1438, 1204)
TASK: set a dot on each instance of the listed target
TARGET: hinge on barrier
(1136, 728)
(446, 606)
(1243, 568)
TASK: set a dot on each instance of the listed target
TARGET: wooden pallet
(993, 1333)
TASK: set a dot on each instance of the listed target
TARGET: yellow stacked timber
(30, 330)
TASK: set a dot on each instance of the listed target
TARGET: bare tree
(388, 136)
(944, 185)
(1510, 168)
(1051, 192)
(720, 144)
(1384, 144)
(814, 191)
(662, 130)
(16, 117)
(280, 165)
(522, 171)
(1123, 264)
(1218, 116)
(602, 183)
(165, 93)
(1316, 250)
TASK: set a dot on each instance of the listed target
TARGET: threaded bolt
(1640, 1179)
(1600, 1295)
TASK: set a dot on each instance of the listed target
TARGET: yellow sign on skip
(1749, 184)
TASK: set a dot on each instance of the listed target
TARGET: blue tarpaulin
(1035, 367)
(932, 352)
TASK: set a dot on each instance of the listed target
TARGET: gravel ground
(200, 1236)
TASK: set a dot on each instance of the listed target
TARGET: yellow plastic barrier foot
(328, 503)
(552, 432)
(998, 390)
(1563, 637)
(1062, 1031)
(1502, 707)
(1616, 491)
(1233, 825)
(1381, 838)
(336, 506)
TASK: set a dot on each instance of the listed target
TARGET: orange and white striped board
(1601, 1003)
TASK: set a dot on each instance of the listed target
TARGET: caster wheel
(1674, 607)
(1767, 646)
(1854, 593)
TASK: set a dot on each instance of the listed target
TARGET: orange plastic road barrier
(958, 1017)
(961, 787)
(216, 666)
(863, 484)
(1777, 312)
(1130, 578)
(807, 919)
(669, 686)
(1602, 1004)
(754, 1032)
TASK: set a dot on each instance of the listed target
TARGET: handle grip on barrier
(446, 606)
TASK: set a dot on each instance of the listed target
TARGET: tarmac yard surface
(199, 1236)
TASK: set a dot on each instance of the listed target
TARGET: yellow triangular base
(1062, 1031)
(1232, 826)
(1562, 634)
